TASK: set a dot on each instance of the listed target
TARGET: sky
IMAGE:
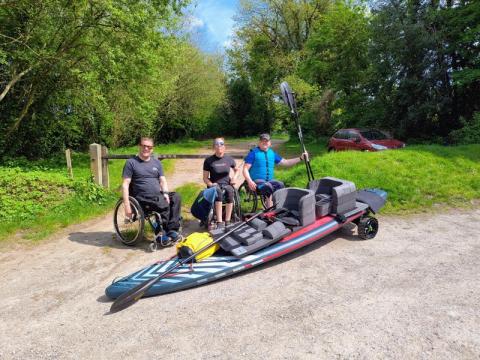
(211, 23)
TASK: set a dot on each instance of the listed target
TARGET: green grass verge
(417, 178)
(37, 198)
(188, 193)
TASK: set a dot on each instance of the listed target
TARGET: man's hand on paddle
(304, 156)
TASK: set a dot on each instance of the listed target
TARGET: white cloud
(217, 22)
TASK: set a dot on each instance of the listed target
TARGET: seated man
(143, 178)
(217, 172)
(259, 168)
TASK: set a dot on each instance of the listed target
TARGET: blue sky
(211, 23)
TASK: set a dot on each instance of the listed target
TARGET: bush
(469, 133)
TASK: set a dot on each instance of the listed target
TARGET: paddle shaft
(300, 136)
(133, 295)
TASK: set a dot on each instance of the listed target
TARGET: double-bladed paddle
(133, 295)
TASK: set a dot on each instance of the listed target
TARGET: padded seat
(342, 194)
(297, 200)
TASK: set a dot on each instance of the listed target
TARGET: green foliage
(469, 133)
(105, 71)
(26, 194)
(416, 178)
(38, 198)
(409, 67)
(268, 47)
(188, 194)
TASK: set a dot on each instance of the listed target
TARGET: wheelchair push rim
(130, 231)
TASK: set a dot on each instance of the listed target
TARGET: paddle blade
(132, 296)
(287, 96)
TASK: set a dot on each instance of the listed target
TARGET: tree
(61, 62)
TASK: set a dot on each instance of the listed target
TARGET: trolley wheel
(130, 231)
(367, 227)
(248, 199)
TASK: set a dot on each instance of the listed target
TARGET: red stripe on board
(248, 266)
(311, 240)
(320, 222)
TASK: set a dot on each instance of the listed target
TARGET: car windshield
(373, 135)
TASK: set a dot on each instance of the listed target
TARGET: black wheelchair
(132, 231)
(250, 200)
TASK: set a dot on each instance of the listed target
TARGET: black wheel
(248, 199)
(130, 231)
(210, 217)
(331, 149)
(263, 200)
(367, 227)
(237, 210)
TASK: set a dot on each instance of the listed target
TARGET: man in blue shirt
(259, 168)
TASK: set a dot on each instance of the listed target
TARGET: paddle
(289, 99)
(133, 295)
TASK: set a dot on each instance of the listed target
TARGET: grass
(189, 193)
(37, 198)
(417, 178)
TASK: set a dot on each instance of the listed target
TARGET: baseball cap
(264, 136)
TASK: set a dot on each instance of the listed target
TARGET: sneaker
(220, 225)
(163, 240)
(173, 235)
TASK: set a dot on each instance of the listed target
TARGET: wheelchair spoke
(248, 199)
(130, 230)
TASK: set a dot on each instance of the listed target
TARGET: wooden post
(96, 162)
(68, 156)
(105, 176)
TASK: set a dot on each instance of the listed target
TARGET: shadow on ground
(110, 238)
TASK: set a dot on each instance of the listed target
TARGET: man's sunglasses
(219, 143)
(146, 146)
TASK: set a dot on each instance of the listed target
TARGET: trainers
(173, 235)
(220, 225)
(163, 240)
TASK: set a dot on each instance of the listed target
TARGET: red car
(363, 140)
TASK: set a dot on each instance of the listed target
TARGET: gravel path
(412, 292)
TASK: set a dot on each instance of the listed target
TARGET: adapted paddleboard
(218, 267)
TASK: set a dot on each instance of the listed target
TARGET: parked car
(363, 140)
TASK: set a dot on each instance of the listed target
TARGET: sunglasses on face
(146, 146)
(219, 143)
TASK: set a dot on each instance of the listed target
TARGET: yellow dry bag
(194, 242)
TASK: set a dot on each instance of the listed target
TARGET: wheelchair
(132, 231)
(250, 200)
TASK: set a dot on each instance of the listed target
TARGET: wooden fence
(99, 161)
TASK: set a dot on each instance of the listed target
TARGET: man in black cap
(259, 168)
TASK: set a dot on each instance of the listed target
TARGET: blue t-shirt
(263, 163)
(145, 176)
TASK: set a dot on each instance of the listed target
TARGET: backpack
(203, 203)
(194, 242)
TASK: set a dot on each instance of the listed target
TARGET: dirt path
(412, 292)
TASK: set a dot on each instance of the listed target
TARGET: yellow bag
(194, 242)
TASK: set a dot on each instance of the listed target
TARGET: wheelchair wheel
(130, 231)
(237, 210)
(248, 199)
